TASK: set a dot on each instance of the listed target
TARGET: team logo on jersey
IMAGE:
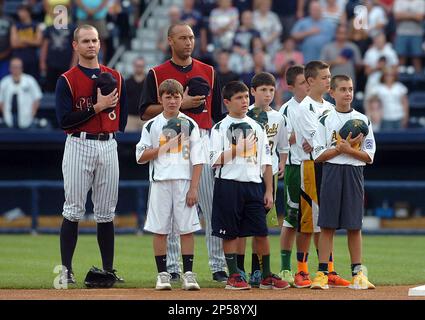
(84, 103)
(271, 130)
(336, 139)
(368, 144)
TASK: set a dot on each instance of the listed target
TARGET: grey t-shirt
(409, 27)
(350, 51)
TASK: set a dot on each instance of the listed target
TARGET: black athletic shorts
(238, 209)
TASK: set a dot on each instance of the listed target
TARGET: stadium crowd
(372, 41)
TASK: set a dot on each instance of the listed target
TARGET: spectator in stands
(358, 35)
(224, 21)
(25, 38)
(260, 65)
(94, 12)
(243, 5)
(373, 110)
(313, 32)
(174, 16)
(205, 7)
(409, 15)
(56, 54)
(241, 57)
(343, 56)
(194, 19)
(377, 18)
(224, 73)
(20, 97)
(289, 11)
(268, 24)
(395, 104)
(378, 57)
(334, 11)
(285, 58)
(5, 49)
(49, 6)
(119, 17)
(134, 86)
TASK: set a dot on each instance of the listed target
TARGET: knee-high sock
(68, 242)
(105, 239)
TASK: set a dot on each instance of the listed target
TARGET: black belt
(100, 136)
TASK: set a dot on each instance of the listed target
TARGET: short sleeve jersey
(249, 166)
(290, 110)
(306, 122)
(327, 137)
(176, 163)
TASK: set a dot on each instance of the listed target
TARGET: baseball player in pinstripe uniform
(90, 159)
(204, 109)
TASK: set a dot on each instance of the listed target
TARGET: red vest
(168, 71)
(81, 88)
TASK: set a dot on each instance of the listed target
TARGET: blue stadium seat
(48, 101)
(417, 100)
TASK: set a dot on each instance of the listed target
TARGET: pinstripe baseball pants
(216, 262)
(90, 164)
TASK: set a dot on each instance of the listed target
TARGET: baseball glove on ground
(97, 278)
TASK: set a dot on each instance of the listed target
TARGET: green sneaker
(287, 276)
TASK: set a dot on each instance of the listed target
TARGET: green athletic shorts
(292, 195)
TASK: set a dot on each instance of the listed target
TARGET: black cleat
(220, 276)
(118, 279)
(174, 276)
(67, 277)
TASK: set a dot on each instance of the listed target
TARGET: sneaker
(274, 282)
(67, 277)
(163, 281)
(287, 276)
(220, 276)
(302, 280)
(189, 281)
(235, 282)
(320, 281)
(255, 279)
(175, 277)
(360, 282)
(243, 275)
(118, 279)
(335, 281)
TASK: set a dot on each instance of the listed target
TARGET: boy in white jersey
(297, 84)
(313, 106)
(239, 152)
(341, 201)
(263, 86)
(171, 144)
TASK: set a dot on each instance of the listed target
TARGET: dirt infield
(380, 293)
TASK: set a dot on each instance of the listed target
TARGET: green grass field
(28, 261)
